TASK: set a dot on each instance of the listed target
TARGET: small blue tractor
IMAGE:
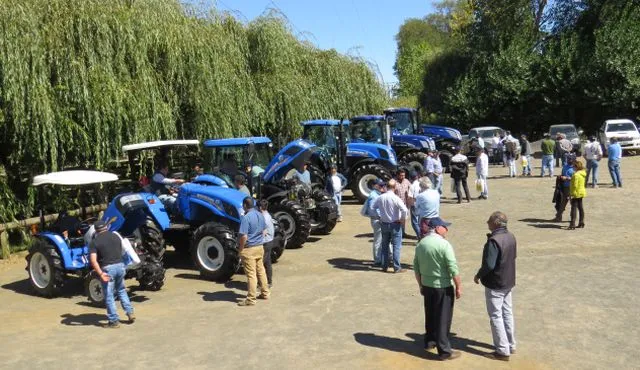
(298, 207)
(360, 161)
(446, 139)
(410, 149)
(204, 219)
(60, 249)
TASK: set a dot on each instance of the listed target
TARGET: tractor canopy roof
(242, 141)
(368, 118)
(159, 144)
(399, 110)
(75, 177)
(324, 122)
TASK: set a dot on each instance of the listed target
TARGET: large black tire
(294, 221)
(414, 161)
(325, 206)
(445, 159)
(364, 178)
(318, 178)
(214, 251)
(152, 276)
(46, 271)
(93, 289)
(279, 242)
(152, 240)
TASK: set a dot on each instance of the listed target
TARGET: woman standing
(577, 191)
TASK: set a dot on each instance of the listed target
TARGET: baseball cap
(437, 221)
(100, 225)
(379, 182)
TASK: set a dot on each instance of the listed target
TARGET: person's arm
(416, 269)
(242, 241)
(452, 267)
(489, 260)
(93, 258)
(403, 210)
(458, 283)
(243, 232)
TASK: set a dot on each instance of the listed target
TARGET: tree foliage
(80, 78)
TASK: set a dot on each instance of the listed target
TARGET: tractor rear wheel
(152, 277)
(214, 251)
(46, 271)
(294, 221)
(152, 240)
(364, 179)
(325, 207)
(414, 161)
(278, 244)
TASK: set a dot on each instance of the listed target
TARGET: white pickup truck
(624, 130)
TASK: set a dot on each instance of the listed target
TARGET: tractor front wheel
(214, 251)
(365, 176)
(294, 221)
(414, 161)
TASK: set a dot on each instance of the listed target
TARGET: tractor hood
(420, 142)
(222, 201)
(440, 132)
(373, 151)
(208, 179)
(293, 155)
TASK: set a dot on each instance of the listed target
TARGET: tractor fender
(277, 197)
(72, 258)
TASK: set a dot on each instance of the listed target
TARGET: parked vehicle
(411, 150)
(446, 139)
(624, 130)
(572, 134)
(360, 162)
(62, 249)
(205, 220)
(299, 208)
(486, 133)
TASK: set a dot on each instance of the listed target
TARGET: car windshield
(569, 131)
(404, 122)
(624, 126)
(366, 131)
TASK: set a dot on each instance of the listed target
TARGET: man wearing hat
(105, 254)
(498, 275)
(548, 147)
(435, 268)
(379, 187)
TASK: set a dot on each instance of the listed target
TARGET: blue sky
(357, 27)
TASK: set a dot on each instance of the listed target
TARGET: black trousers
(438, 313)
(462, 183)
(266, 260)
(562, 204)
(576, 205)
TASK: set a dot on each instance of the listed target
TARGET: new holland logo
(357, 153)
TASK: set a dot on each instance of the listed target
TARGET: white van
(622, 129)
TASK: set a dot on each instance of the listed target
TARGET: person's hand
(458, 292)
(476, 279)
(180, 181)
(104, 277)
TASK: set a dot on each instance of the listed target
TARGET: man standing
(593, 154)
(379, 187)
(105, 254)
(459, 174)
(393, 214)
(498, 275)
(525, 153)
(495, 148)
(414, 190)
(482, 172)
(335, 185)
(563, 183)
(250, 246)
(268, 240)
(435, 266)
(438, 170)
(614, 151)
(402, 191)
(429, 166)
(548, 148)
(427, 202)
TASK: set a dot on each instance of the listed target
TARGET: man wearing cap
(393, 214)
(250, 245)
(548, 148)
(105, 255)
(498, 275)
(593, 155)
(562, 184)
(379, 187)
(435, 267)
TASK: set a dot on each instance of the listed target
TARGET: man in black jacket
(498, 275)
(459, 173)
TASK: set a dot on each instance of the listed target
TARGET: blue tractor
(61, 250)
(360, 161)
(299, 208)
(204, 219)
(446, 139)
(411, 150)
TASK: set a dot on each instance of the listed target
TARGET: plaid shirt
(402, 190)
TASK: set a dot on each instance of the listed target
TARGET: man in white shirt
(495, 145)
(334, 187)
(393, 213)
(482, 172)
(160, 185)
(593, 155)
(413, 192)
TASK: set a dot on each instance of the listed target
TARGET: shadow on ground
(71, 288)
(353, 264)
(84, 319)
(415, 346)
(221, 296)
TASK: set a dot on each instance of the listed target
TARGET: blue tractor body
(361, 159)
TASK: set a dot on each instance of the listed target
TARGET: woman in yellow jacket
(577, 191)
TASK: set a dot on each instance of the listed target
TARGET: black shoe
(430, 345)
(452, 356)
(580, 226)
(113, 325)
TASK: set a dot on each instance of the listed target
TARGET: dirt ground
(576, 300)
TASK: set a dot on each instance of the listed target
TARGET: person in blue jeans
(614, 151)
(335, 184)
(105, 254)
(393, 214)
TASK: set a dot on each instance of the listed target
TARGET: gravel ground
(575, 302)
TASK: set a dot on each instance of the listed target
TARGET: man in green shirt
(548, 147)
(435, 267)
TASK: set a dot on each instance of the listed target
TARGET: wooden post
(4, 243)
